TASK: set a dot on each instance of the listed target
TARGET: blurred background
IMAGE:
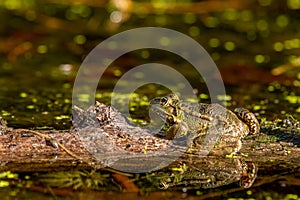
(255, 44)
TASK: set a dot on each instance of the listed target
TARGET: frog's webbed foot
(249, 118)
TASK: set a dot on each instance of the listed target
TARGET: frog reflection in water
(197, 120)
(224, 129)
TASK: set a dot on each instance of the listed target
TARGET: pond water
(255, 45)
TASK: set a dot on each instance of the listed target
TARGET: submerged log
(22, 150)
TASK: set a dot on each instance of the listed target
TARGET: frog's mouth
(156, 110)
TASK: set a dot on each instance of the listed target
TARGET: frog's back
(225, 120)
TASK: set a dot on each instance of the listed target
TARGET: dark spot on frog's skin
(12, 145)
(127, 146)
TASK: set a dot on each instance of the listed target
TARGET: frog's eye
(164, 101)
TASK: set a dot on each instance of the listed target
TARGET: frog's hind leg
(249, 118)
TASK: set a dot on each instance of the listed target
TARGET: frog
(197, 120)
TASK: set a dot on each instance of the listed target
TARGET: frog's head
(168, 110)
(169, 104)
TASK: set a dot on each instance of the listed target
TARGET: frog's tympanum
(208, 127)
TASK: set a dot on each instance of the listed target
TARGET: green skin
(181, 118)
(206, 126)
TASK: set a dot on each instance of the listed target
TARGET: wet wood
(23, 151)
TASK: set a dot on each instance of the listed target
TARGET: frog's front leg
(177, 128)
(176, 131)
(171, 132)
